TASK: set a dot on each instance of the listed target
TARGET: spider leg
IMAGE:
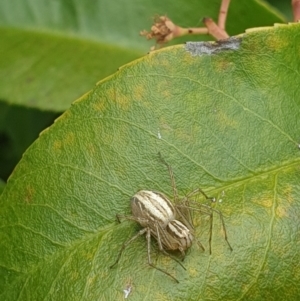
(211, 216)
(175, 193)
(130, 218)
(160, 246)
(125, 244)
(197, 191)
(148, 236)
(209, 210)
(199, 244)
(223, 226)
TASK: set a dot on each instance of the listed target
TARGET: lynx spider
(170, 224)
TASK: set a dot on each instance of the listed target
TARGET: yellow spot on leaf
(281, 211)
(223, 65)
(287, 192)
(193, 272)
(266, 202)
(99, 106)
(57, 145)
(70, 138)
(139, 92)
(75, 275)
(123, 101)
(277, 43)
(225, 120)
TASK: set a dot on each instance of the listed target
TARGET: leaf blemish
(201, 48)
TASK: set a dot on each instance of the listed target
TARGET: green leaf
(50, 71)
(284, 7)
(227, 122)
(54, 52)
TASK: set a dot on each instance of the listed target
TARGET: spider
(170, 224)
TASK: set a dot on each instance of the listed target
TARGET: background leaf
(227, 122)
(284, 6)
(54, 52)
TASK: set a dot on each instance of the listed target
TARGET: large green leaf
(226, 121)
(53, 52)
(284, 6)
(50, 70)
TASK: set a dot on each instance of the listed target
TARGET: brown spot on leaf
(29, 193)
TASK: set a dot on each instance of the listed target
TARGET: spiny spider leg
(148, 236)
(175, 194)
(185, 215)
(141, 232)
(170, 224)
(125, 244)
(160, 246)
(195, 192)
(210, 213)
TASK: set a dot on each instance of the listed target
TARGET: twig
(214, 30)
(164, 30)
(223, 14)
(296, 10)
